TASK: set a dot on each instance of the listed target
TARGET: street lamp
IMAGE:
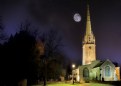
(73, 66)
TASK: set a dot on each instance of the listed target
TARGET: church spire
(88, 23)
(89, 50)
(89, 36)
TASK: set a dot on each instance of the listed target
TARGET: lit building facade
(92, 69)
(89, 54)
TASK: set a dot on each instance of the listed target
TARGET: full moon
(77, 17)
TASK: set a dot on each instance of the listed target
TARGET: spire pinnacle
(88, 24)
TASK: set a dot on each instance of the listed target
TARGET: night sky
(58, 14)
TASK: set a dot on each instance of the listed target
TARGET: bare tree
(52, 45)
(52, 42)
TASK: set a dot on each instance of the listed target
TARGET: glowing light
(73, 65)
(77, 17)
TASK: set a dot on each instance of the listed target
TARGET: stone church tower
(89, 53)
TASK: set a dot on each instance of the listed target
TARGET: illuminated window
(85, 72)
(107, 71)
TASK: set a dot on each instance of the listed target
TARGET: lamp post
(73, 66)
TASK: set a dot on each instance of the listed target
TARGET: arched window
(85, 72)
(107, 71)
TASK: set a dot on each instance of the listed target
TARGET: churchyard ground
(70, 84)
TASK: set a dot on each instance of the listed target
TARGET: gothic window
(85, 72)
(107, 71)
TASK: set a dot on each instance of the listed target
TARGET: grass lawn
(86, 84)
(67, 84)
(63, 84)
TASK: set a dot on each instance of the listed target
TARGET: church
(91, 68)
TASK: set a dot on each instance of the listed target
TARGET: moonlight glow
(77, 17)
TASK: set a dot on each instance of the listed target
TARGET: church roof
(99, 64)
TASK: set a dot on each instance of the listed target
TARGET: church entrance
(86, 74)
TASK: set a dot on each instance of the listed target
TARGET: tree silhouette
(18, 54)
(24, 57)
(52, 45)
